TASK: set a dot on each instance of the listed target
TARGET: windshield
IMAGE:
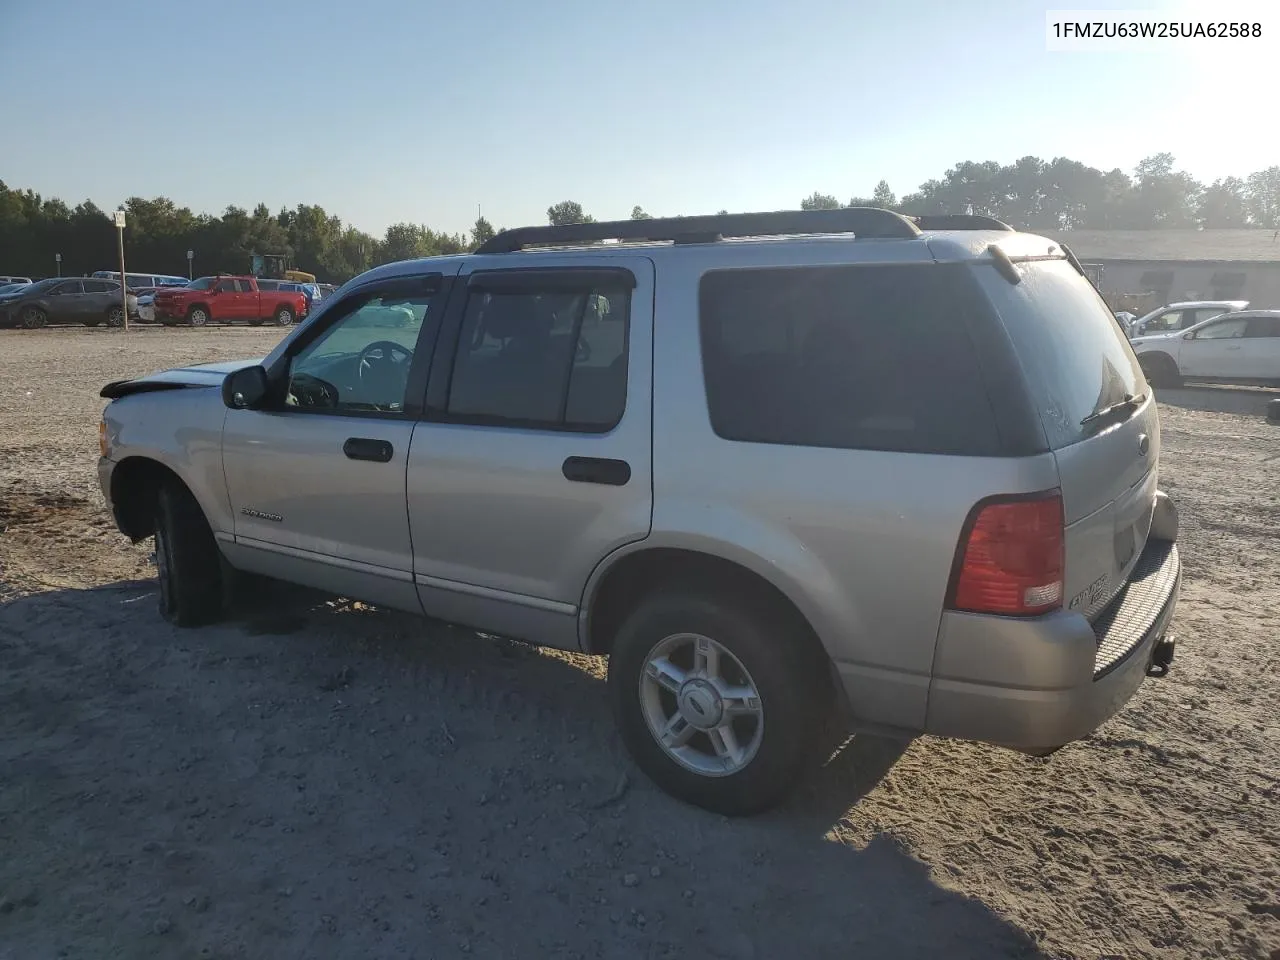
(1076, 359)
(203, 283)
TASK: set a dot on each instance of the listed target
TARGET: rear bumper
(1040, 683)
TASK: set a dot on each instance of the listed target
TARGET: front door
(317, 482)
(1216, 350)
(66, 302)
(533, 460)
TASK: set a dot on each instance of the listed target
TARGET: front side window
(1226, 330)
(854, 357)
(66, 288)
(544, 359)
(361, 363)
(227, 286)
(1172, 320)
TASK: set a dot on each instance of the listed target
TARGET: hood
(197, 375)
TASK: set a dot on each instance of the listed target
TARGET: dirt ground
(320, 779)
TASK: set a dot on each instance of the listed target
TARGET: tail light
(1010, 559)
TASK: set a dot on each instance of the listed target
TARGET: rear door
(1216, 350)
(1262, 348)
(1077, 363)
(533, 462)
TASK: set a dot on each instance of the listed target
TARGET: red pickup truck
(226, 299)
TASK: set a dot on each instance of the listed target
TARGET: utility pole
(124, 286)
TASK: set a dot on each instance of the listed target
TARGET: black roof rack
(862, 222)
(958, 221)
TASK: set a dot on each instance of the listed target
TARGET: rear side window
(546, 359)
(1075, 357)
(858, 357)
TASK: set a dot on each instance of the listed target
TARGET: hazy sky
(388, 110)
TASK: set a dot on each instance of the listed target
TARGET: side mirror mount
(1189, 336)
(246, 389)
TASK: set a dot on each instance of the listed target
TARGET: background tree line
(1030, 193)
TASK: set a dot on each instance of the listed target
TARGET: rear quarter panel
(861, 541)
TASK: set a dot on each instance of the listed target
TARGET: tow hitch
(1161, 657)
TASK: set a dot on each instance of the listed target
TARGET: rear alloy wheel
(284, 317)
(197, 316)
(115, 317)
(32, 318)
(722, 704)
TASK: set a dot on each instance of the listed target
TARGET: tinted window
(269, 285)
(860, 357)
(1263, 327)
(203, 283)
(226, 286)
(361, 363)
(66, 287)
(1075, 357)
(554, 359)
(1224, 330)
(99, 286)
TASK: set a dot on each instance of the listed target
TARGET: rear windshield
(1076, 358)
(868, 357)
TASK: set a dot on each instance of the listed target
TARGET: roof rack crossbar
(862, 222)
(958, 221)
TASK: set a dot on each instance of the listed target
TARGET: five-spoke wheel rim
(701, 705)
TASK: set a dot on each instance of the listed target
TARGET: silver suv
(779, 467)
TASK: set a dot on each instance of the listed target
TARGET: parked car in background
(7, 280)
(141, 281)
(309, 290)
(1239, 347)
(326, 290)
(66, 300)
(704, 460)
(1182, 316)
(146, 304)
(12, 288)
(227, 299)
(1126, 319)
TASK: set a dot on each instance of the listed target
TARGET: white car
(1239, 347)
(1173, 317)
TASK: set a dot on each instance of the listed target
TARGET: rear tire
(188, 561)
(761, 651)
(115, 317)
(284, 317)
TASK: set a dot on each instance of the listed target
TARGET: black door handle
(614, 473)
(362, 448)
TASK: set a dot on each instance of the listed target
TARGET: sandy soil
(319, 779)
